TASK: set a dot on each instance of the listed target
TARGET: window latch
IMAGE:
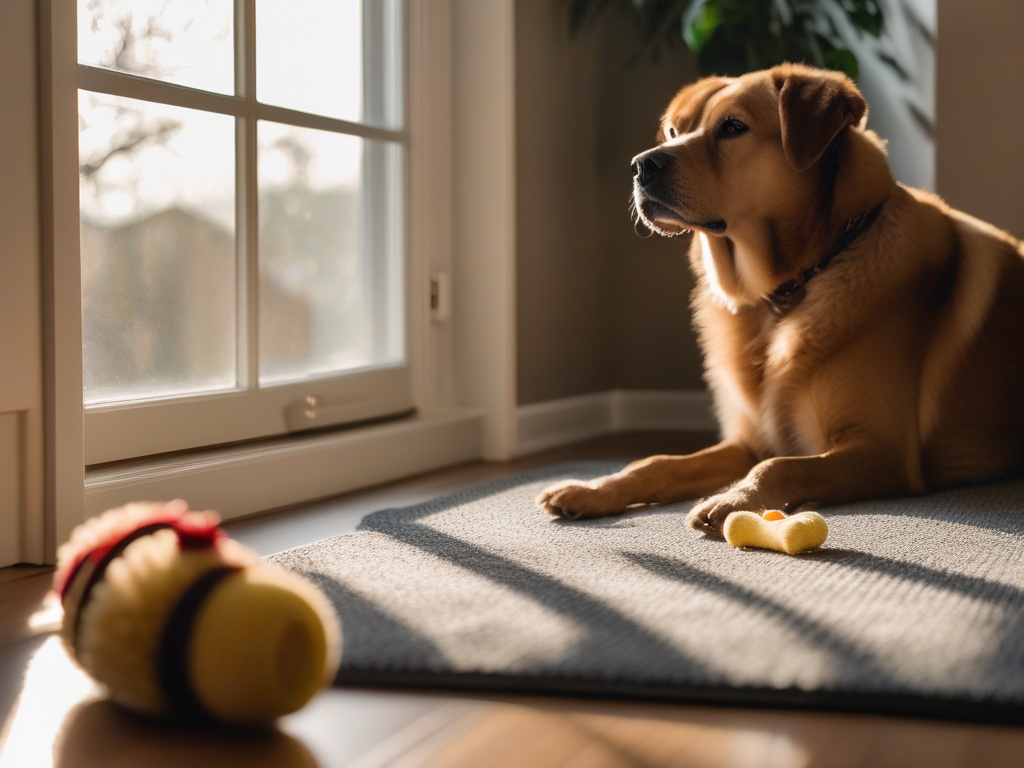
(312, 411)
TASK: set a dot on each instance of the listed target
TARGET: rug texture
(913, 606)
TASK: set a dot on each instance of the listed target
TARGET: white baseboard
(569, 420)
(559, 422)
(240, 481)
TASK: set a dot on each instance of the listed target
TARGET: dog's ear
(814, 106)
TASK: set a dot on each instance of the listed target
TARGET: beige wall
(597, 306)
(980, 107)
(21, 420)
(654, 344)
(563, 283)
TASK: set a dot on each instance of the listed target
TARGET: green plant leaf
(844, 61)
(724, 54)
(699, 23)
(730, 37)
(659, 20)
(833, 54)
(866, 15)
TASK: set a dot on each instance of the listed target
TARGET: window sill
(247, 480)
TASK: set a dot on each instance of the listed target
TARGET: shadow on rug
(913, 606)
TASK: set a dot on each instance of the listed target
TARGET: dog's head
(735, 150)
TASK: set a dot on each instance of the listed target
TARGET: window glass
(330, 283)
(186, 42)
(345, 63)
(158, 249)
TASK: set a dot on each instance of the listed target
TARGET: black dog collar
(785, 298)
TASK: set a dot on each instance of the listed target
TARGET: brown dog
(861, 339)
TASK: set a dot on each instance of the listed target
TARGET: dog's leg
(866, 469)
(655, 480)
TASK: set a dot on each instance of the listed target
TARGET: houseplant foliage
(730, 37)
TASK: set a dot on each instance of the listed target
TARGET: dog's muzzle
(655, 202)
(648, 165)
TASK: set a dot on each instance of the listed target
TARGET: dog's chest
(773, 379)
(789, 417)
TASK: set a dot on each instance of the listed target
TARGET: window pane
(338, 58)
(158, 249)
(331, 229)
(188, 42)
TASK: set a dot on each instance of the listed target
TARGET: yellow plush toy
(175, 618)
(776, 530)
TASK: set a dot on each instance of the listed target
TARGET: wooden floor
(52, 714)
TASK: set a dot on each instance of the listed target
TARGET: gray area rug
(913, 606)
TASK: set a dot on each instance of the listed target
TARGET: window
(242, 197)
(330, 342)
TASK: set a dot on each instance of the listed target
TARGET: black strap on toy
(174, 648)
(100, 569)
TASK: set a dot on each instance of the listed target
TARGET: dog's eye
(731, 128)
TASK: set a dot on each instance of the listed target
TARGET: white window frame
(283, 471)
(131, 429)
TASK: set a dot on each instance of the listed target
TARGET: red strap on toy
(102, 555)
(197, 532)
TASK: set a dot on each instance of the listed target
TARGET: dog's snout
(648, 165)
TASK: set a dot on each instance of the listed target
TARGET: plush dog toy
(776, 530)
(175, 618)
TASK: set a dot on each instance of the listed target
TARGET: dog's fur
(897, 369)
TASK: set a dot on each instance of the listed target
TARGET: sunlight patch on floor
(53, 686)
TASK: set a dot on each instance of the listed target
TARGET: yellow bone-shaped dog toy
(791, 534)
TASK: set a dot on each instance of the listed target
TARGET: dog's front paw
(709, 515)
(576, 499)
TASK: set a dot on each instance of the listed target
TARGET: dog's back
(972, 409)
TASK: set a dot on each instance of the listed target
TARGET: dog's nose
(648, 165)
